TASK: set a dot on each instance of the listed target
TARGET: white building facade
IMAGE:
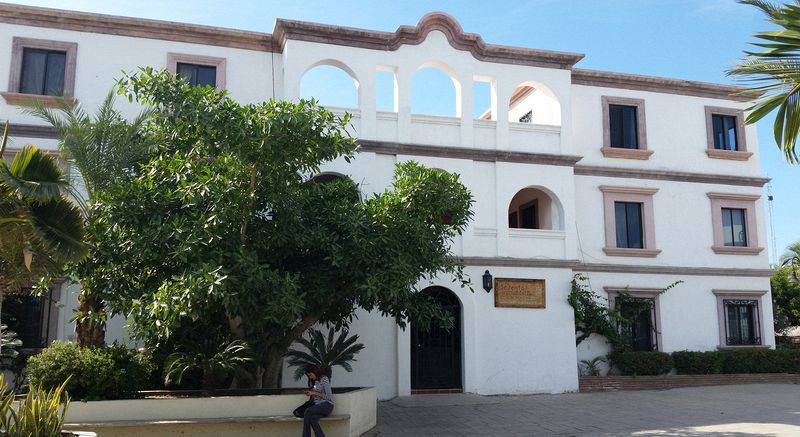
(634, 181)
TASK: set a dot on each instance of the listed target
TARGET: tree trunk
(89, 331)
(272, 364)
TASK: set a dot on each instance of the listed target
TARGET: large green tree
(773, 73)
(223, 236)
(40, 227)
(786, 289)
(104, 148)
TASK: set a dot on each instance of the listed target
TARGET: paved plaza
(730, 411)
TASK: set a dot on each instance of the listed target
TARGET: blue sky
(687, 39)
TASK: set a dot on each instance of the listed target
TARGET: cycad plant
(324, 353)
(216, 368)
(773, 73)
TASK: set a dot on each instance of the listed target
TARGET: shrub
(781, 360)
(642, 363)
(698, 363)
(111, 372)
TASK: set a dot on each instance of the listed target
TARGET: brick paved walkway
(729, 411)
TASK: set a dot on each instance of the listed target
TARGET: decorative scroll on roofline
(413, 35)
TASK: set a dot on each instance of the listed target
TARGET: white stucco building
(635, 181)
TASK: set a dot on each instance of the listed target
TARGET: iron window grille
(641, 332)
(742, 324)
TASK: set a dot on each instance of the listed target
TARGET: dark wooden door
(436, 352)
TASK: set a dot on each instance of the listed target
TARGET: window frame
(734, 201)
(207, 61)
(642, 293)
(613, 194)
(641, 153)
(741, 153)
(13, 96)
(722, 296)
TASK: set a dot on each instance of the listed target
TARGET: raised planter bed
(665, 382)
(237, 414)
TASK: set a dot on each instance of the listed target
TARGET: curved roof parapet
(413, 35)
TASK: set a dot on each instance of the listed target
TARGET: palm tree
(40, 228)
(774, 74)
(325, 354)
(791, 258)
(103, 148)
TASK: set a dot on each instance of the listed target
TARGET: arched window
(435, 91)
(534, 103)
(329, 177)
(533, 208)
(331, 85)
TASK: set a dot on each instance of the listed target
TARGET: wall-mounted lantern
(487, 281)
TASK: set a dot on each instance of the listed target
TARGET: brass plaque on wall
(519, 293)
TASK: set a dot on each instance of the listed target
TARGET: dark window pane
(34, 63)
(54, 80)
(529, 217)
(206, 76)
(201, 75)
(628, 216)
(724, 127)
(621, 224)
(42, 72)
(512, 220)
(622, 126)
(734, 227)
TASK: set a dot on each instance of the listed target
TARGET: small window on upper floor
(628, 221)
(40, 70)
(725, 134)
(734, 227)
(734, 223)
(624, 133)
(198, 75)
(724, 127)
(622, 126)
(198, 70)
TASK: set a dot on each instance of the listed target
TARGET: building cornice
(389, 148)
(655, 84)
(666, 175)
(578, 266)
(354, 37)
(134, 27)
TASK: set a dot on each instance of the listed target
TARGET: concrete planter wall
(229, 416)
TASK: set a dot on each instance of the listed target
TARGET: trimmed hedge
(110, 372)
(782, 360)
(642, 363)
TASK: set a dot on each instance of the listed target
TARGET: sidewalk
(730, 411)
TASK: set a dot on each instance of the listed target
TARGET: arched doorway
(436, 352)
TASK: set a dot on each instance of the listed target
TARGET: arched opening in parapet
(435, 90)
(534, 103)
(535, 208)
(331, 83)
(484, 98)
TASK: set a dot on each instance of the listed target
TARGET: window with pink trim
(629, 221)
(734, 223)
